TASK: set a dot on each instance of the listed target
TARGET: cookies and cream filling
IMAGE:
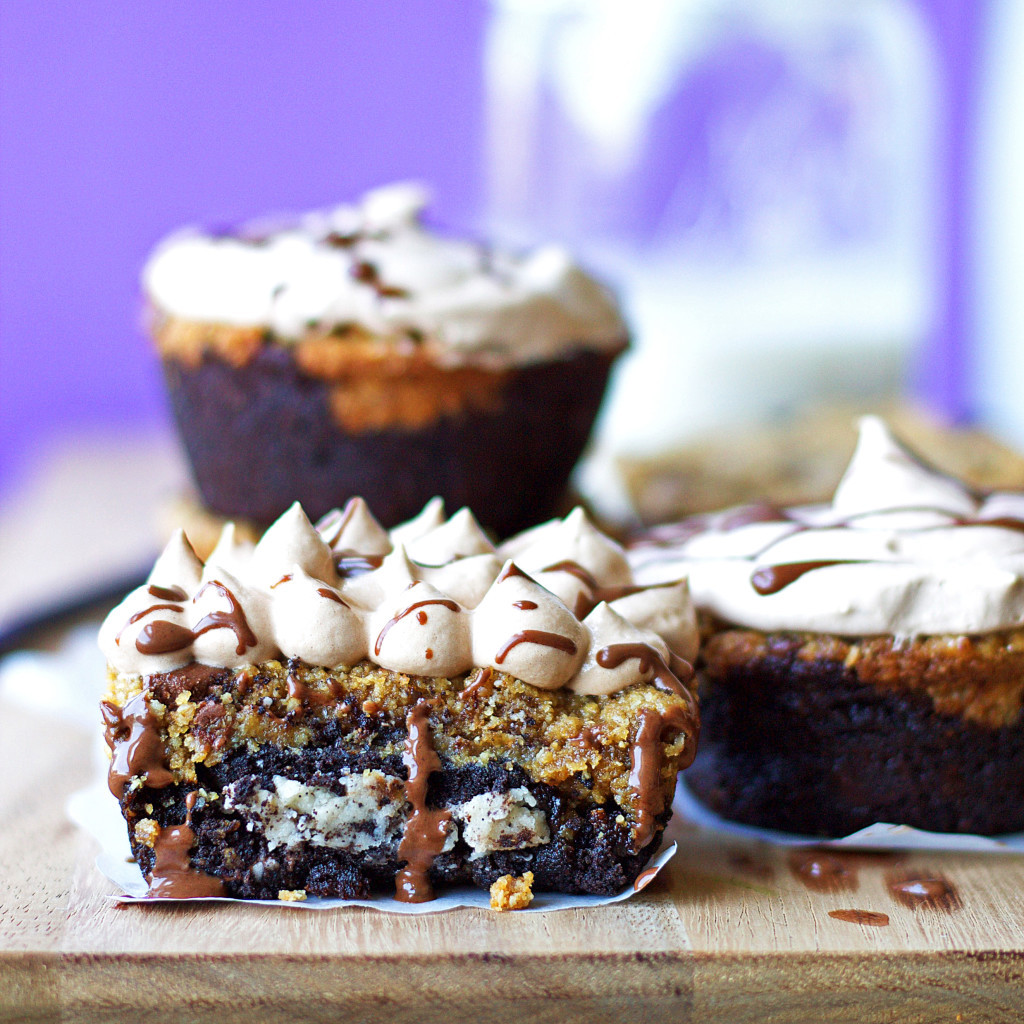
(373, 265)
(555, 606)
(902, 549)
(366, 813)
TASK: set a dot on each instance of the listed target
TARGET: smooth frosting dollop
(374, 265)
(903, 549)
(346, 590)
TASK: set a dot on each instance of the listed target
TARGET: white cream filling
(372, 813)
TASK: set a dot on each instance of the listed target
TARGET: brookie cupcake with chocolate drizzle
(342, 709)
(356, 352)
(865, 659)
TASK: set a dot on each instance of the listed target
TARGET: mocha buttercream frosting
(556, 606)
(902, 550)
(373, 265)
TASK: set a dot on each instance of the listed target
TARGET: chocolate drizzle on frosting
(535, 636)
(650, 661)
(770, 579)
(426, 829)
(233, 619)
(442, 601)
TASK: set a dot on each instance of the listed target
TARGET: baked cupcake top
(554, 606)
(902, 550)
(374, 266)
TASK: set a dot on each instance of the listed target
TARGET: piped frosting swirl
(902, 549)
(432, 598)
(373, 265)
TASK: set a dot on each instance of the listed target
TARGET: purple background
(119, 122)
(122, 121)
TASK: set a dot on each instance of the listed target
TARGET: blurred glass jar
(759, 177)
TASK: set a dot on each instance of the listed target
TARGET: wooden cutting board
(730, 931)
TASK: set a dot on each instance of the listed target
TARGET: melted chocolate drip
(233, 619)
(872, 918)
(444, 601)
(166, 593)
(163, 637)
(426, 830)
(309, 697)
(574, 569)
(510, 571)
(286, 578)
(645, 766)
(536, 636)
(133, 736)
(588, 738)
(173, 875)
(331, 596)
(482, 684)
(524, 606)
(770, 579)
(650, 660)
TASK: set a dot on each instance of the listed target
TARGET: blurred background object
(807, 205)
(759, 174)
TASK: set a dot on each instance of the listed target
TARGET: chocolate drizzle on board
(822, 872)
(173, 875)
(872, 918)
(426, 829)
(932, 892)
(133, 736)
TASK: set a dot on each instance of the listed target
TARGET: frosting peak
(902, 549)
(346, 590)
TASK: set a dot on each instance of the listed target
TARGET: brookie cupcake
(865, 658)
(340, 710)
(356, 352)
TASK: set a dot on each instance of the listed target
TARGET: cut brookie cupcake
(339, 710)
(355, 352)
(865, 659)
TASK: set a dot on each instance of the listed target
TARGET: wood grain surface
(730, 931)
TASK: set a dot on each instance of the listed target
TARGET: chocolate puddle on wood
(822, 872)
(872, 918)
(923, 889)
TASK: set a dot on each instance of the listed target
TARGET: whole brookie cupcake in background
(355, 352)
(340, 709)
(864, 659)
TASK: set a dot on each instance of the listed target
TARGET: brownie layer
(260, 434)
(795, 739)
(213, 767)
(588, 850)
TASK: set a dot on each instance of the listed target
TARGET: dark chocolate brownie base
(588, 852)
(261, 435)
(805, 746)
